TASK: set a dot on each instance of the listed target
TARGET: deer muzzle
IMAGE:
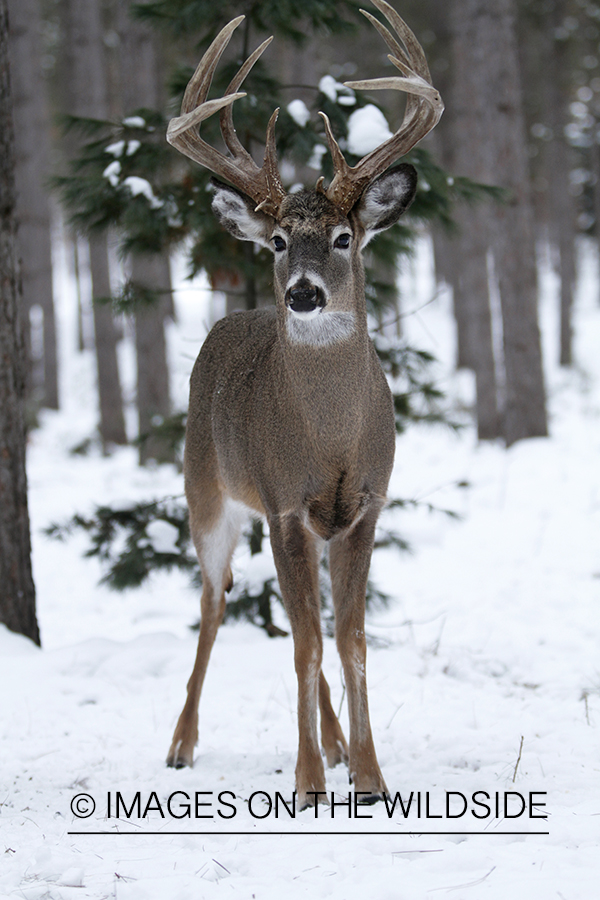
(305, 299)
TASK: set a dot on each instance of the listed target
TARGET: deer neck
(327, 369)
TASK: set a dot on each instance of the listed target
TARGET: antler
(423, 109)
(262, 184)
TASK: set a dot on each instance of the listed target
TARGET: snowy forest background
(512, 168)
(520, 86)
(485, 307)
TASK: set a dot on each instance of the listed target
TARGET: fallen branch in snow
(460, 887)
(518, 759)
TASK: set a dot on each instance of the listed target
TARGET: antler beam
(423, 110)
(262, 184)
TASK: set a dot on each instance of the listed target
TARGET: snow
(299, 112)
(141, 186)
(328, 86)
(163, 536)
(337, 92)
(116, 149)
(257, 569)
(119, 147)
(112, 172)
(483, 671)
(367, 129)
(318, 152)
(134, 122)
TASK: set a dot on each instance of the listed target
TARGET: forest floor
(484, 673)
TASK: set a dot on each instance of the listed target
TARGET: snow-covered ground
(484, 675)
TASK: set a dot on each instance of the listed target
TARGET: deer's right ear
(237, 214)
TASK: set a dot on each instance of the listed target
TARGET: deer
(290, 415)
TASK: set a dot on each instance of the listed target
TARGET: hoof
(177, 763)
(308, 800)
(179, 759)
(370, 799)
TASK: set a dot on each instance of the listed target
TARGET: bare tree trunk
(456, 261)
(150, 272)
(17, 591)
(473, 298)
(499, 155)
(559, 164)
(88, 97)
(32, 152)
(567, 273)
(595, 166)
(514, 244)
(470, 271)
(112, 420)
(140, 87)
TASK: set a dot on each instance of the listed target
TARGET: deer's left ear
(386, 199)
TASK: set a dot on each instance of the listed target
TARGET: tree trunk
(514, 244)
(499, 155)
(17, 591)
(470, 265)
(473, 298)
(595, 166)
(559, 165)
(141, 87)
(150, 272)
(32, 153)
(87, 81)
(112, 421)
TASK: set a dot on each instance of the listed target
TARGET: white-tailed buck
(290, 414)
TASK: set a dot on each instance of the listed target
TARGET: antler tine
(270, 169)
(416, 56)
(199, 85)
(226, 119)
(423, 109)
(399, 56)
(263, 184)
(344, 189)
(390, 40)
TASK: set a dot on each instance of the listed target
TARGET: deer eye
(279, 243)
(342, 242)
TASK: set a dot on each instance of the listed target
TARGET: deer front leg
(214, 546)
(296, 559)
(181, 752)
(349, 558)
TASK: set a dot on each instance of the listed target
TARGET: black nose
(304, 298)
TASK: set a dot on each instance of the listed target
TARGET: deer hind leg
(214, 548)
(332, 737)
(296, 559)
(349, 558)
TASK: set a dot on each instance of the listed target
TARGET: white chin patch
(308, 315)
(319, 329)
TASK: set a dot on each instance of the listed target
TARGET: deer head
(316, 236)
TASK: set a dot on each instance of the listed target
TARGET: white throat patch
(320, 330)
